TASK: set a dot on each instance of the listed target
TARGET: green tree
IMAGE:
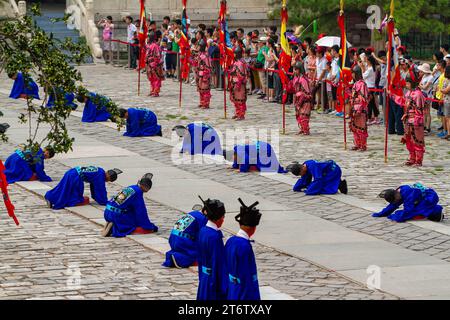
(51, 62)
(417, 15)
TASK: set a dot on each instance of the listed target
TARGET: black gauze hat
(295, 168)
(248, 216)
(388, 195)
(146, 180)
(3, 127)
(180, 130)
(113, 174)
(215, 209)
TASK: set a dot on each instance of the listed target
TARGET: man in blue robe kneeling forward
(141, 122)
(418, 202)
(318, 177)
(241, 264)
(126, 211)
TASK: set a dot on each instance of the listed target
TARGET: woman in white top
(426, 86)
(108, 30)
(370, 78)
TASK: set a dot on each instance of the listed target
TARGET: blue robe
(417, 201)
(20, 166)
(19, 88)
(127, 211)
(213, 277)
(142, 123)
(69, 191)
(260, 155)
(93, 112)
(202, 139)
(68, 100)
(242, 273)
(184, 240)
(321, 178)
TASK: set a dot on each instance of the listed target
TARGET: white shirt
(427, 79)
(335, 69)
(370, 77)
(320, 66)
(212, 225)
(241, 233)
(131, 30)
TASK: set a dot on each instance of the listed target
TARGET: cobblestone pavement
(38, 259)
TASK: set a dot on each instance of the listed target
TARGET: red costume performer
(4, 190)
(154, 64)
(238, 85)
(359, 111)
(302, 98)
(413, 120)
(203, 76)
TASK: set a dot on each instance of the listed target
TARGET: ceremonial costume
(183, 240)
(238, 85)
(319, 178)
(155, 73)
(94, 109)
(418, 202)
(414, 126)
(142, 123)
(358, 122)
(21, 89)
(23, 166)
(260, 155)
(68, 100)
(69, 191)
(203, 76)
(199, 138)
(213, 277)
(127, 211)
(302, 102)
(241, 263)
(4, 192)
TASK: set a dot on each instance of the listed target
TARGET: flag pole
(225, 76)
(181, 90)
(390, 29)
(139, 69)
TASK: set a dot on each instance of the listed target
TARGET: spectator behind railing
(108, 35)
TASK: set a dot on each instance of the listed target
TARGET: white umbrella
(330, 41)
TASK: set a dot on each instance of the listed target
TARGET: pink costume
(414, 126)
(238, 88)
(154, 67)
(203, 76)
(358, 122)
(302, 102)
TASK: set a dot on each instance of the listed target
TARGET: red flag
(285, 61)
(4, 190)
(142, 35)
(226, 50)
(185, 51)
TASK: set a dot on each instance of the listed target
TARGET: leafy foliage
(26, 48)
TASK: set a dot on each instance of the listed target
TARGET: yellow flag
(284, 19)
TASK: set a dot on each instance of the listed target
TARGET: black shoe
(436, 217)
(441, 128)
(343, 187)
(261, 97)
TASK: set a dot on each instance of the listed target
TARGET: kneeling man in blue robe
(212, 273)
(24, 165)
(141, 122)
(126, 211)
(68, 100)
(418, 202)
(259, 156)
(318, 177)
(199, 138)
(69, 191)
(21, 89)
(94, 107)
(183, 239)
(241, 263)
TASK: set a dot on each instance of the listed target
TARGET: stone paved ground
(38, 259)
(366, 172)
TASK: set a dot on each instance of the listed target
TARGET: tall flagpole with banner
(143, 34)
(391, 59)
(345, 73)
(284, 62)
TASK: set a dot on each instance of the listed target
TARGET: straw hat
(425, 68)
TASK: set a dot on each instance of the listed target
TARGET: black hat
(238, 53)
(122, 112)
(298, 65)
(215, 209)
(202, 45)
(248, 216)
(180, 130)
(295, 168)
(51, 151)
(113, 174)
(388, 195)
(146, 180)
(152, 36)
(3, 127)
